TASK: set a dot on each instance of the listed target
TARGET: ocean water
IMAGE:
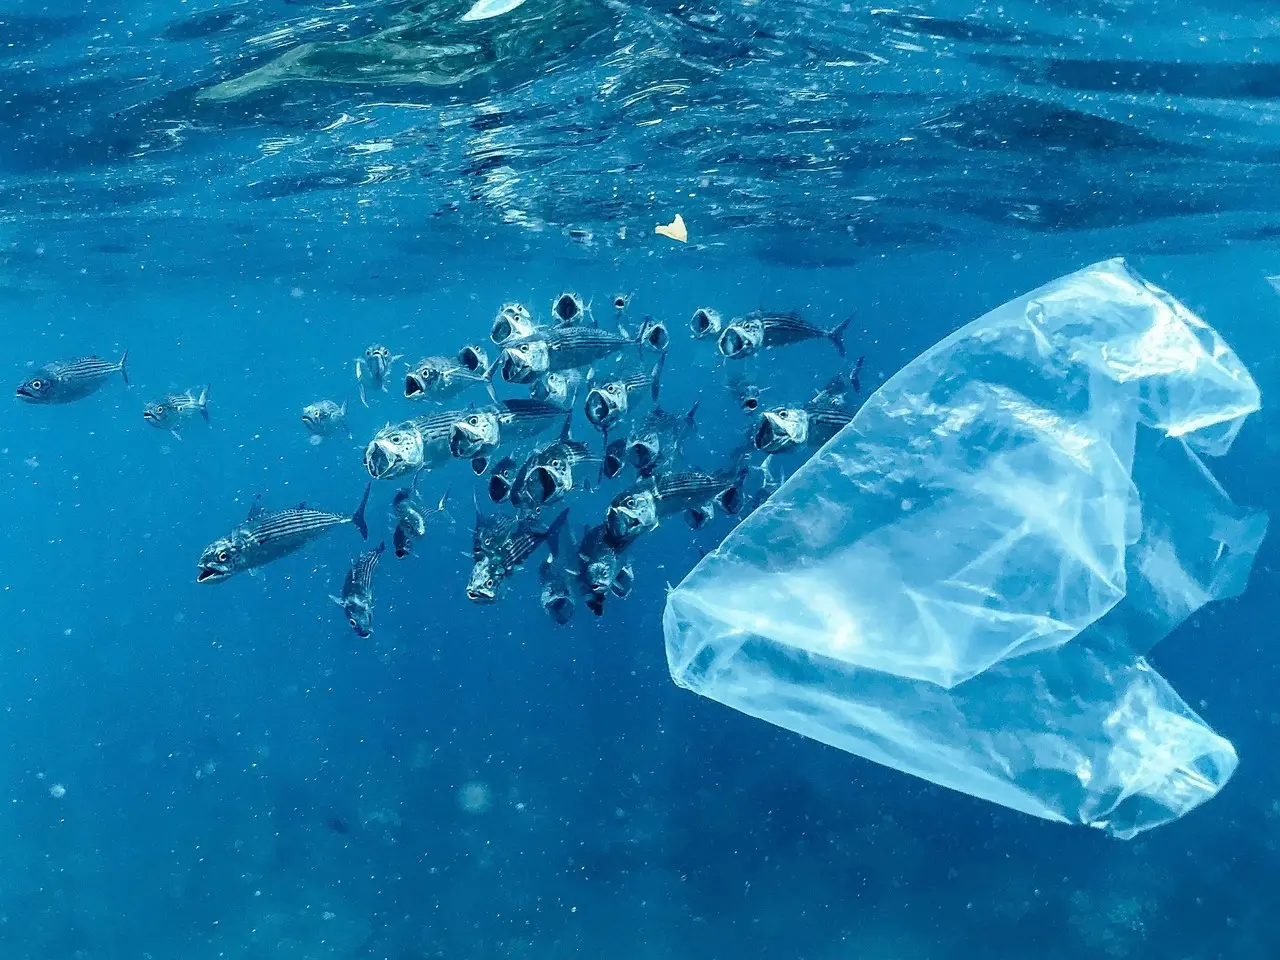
(247, 194)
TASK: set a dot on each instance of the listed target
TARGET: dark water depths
(247, 194)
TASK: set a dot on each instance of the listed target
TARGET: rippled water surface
(799, 131)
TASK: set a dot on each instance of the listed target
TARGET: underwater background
(246, 195)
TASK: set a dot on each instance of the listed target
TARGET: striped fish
(691, 492)
(68, 380)
(420, 443)
(177, 408)
(499, 558)
(265, 537)
(478, 433)
(357, 593)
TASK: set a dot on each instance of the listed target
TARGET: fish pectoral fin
(337, 600)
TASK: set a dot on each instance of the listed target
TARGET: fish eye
(397, 438)
(222, 556)
(352, 621)
(37, 384)
(474, 421)
(558, 464)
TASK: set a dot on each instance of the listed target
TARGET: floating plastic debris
(675, 229)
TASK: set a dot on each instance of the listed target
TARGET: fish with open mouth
(474, 358)
(692, 493)
(654, 335)
(568, 310)
(602, 568)
(66, 381)
(325, 418)
(705, 323)
(374, 367)
(502, 476)
(560, 587)
(443, 378)
(745, 394)
(477, 433)
(513, 322)
(412, 515)
(615, 459)
(609, 401)
(357, 592)
(265, 537)
(176, 409)
(548, 475)
(503, 549)
(557, 349)
(420, 443)
(761, 330)
(620, 303)
(788, 428)
(656, 442)
(560, 388)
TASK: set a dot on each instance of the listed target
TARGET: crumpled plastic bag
(963, 583)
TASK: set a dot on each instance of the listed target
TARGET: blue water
(227, 772)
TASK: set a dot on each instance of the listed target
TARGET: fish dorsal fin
(256, 509)
(302, 505)
(568, 426)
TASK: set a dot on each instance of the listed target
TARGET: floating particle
(57, 791)
(474, 797)
(675, 229)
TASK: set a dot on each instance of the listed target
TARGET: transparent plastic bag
(963, 582)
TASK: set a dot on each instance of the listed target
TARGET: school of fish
(523, 448)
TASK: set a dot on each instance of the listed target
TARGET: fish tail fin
(124, 366)
(358, 517)
(656, 380)
(855, 378)
(203, 402)
(381, 547)
(837, 335)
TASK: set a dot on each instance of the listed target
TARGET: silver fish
(609, 402)
(325, 419)
(412, 515)
(746, 394)
(480, 432)
(654, 335)
(504, 556)
(502, 477)
(620, 303)
(615, 458)
(560, 348)
(441, 378)
(560, 587)
(600, 557)
(265, 537)
(758, 331)
(513, 322)
(69, 380)
(177, 408)
(420, 443)
(374, 367)
(838, 387)
(657, 441)
(706, 323)
(474, 358)
(568, 310)
(357, 592)
(692, 493)
(786, 428)
(548, 474)
(560, 388)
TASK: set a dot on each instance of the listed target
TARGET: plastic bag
(963, 582)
